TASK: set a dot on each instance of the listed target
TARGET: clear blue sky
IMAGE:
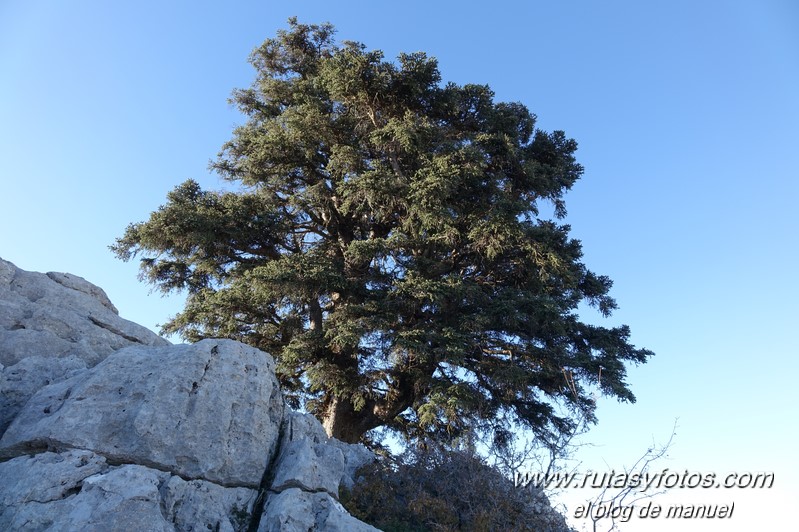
(687, 116)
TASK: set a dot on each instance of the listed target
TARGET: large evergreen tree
(385, 246)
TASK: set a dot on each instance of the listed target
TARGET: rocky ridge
(107, 426)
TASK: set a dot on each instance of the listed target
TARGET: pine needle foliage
(384, 243)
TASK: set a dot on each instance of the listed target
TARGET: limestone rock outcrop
(298, 510)
(51, 326)
(211, 411)
(106, 426)
(58, 315)
(305, 447)
(79, 490)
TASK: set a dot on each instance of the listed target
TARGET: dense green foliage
(385, 245)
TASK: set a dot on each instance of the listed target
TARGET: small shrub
(437, 490)
(240, 517)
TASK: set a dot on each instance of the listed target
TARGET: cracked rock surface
(105, 426)
(78, 490)
(308, 472)
(312, 461)
(209, 410)
(52, 325)
(57, 315)
(296, 510)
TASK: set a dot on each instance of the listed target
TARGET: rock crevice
(106, 426)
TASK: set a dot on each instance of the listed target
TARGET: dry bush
(437, 490)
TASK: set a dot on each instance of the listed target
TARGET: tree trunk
(342, 422)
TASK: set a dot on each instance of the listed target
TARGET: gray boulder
(309, 470)
(310, 460)
(210, 410)
(106, 426)
(52, 325)
(295, 510)
(19, 382)
(201, 505)
(59, 315)
(78, 490)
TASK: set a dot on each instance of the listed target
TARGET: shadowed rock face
(106, 426)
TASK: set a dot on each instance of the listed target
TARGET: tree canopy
(385, 245)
